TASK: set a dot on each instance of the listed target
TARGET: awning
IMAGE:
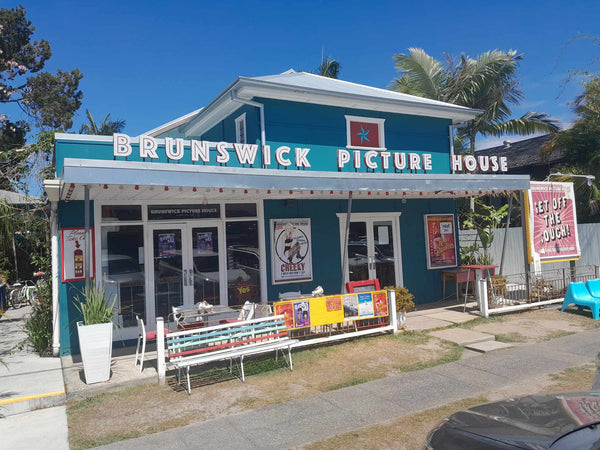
(147, 179)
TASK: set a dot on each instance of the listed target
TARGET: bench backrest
(224, 338)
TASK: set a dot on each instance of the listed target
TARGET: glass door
(205, 272)
(373, 250)
(170, 275)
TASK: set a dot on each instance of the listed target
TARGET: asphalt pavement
(311, 419)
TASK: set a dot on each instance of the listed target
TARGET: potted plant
(95, 333)
(404, 302)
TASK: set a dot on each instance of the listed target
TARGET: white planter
(95, 344)
(401, 319)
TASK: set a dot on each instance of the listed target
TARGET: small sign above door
(169, 212)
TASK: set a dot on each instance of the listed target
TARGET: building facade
(280, 184)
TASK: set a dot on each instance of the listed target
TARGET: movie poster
(552, 224)
(350, 306)
(291, 252)
(380, 303)
(440, 241)
(302, 314)
(365, 305)
(204, 242)
(166, 245)
(287, 310)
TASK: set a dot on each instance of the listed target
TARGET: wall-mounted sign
(552, 222)
(73, 248)
(169, 212)
(440, 241)
(291, 250)
(365, 150)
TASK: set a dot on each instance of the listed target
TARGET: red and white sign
(552, 227)
(365, 133)
(440, 241)
(73, 248)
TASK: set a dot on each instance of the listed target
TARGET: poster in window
(73, 248)
(552, 222)
(204, 242)
(166, 245)
(291, 252)
(440, 241)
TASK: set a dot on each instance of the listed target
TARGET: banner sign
(552, 222)
(291, 252)
(72, 248)
(440, 241)
(169, 212)
(319, 311)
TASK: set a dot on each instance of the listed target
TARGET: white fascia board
(82, 137)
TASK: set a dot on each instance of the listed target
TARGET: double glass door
(187, 264)
(374, 250)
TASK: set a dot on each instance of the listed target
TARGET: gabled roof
(172, 124)
(527, 152)
(310, 88)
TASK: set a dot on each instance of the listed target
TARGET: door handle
(185, 277)
(191, 279)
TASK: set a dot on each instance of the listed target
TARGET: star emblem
(363, 135)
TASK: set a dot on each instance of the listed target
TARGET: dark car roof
(533, 421)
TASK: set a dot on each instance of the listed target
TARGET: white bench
(229, 341)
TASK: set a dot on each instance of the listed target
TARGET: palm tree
(487, 83)
(106, 128)
(329, 68)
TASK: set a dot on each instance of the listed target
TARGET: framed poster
(291, 250)
(552, 222)
(72, 254)
(440, 241)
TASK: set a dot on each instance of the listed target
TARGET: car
(549, 421)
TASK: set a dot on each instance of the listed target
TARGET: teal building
(281, 184)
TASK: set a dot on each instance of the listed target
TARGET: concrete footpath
(28, 383)
(315, 418)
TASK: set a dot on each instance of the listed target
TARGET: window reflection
(123, 270)
(243, 262)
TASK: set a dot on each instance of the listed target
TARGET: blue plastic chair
(578, 294)
(594, 287)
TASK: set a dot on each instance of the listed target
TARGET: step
(462, 337)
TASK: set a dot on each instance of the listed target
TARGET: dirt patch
(410, 432)
(535, 326)
(149, 409)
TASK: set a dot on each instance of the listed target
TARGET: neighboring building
(248, 197)
(529, 156)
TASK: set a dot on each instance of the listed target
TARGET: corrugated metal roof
(312, 81)
(16, 198)
(527, 152)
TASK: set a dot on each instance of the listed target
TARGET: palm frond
(531, 122)
(421, 74)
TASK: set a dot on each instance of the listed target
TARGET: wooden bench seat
(187, 348)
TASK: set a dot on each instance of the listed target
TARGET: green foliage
(404, 299)
(49, 100)
(94, 306)
(329, 68)
(106, 128)
(488, 83)
(484, 219)
(39, 324)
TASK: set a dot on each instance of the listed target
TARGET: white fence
(514, 262)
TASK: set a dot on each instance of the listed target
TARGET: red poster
(552, 227)
(287, 309)
(440, 241)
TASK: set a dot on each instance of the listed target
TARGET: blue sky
(149, 62)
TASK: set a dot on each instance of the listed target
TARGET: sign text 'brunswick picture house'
(249, 197)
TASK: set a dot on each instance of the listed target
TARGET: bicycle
(22, 294)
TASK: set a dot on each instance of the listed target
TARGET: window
(116, 213)
(243, 262)
(365, 133)
(240, 129)
(123, 270)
